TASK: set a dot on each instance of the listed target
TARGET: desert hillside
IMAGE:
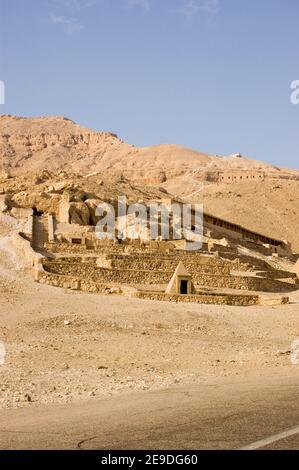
(31, 146)
(270, 207)
(51, 143)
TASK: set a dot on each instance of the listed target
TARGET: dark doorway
(77, 241)
(36, 212)
(184, 287)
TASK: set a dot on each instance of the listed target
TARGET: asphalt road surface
(258, 413)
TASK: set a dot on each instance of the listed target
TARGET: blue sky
(213, 75)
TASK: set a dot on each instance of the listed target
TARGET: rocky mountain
(57, 143)
(103, 166)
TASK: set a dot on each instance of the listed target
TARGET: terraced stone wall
(89, 271)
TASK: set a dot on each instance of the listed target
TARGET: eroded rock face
(154, 178)
(3, 203)
(43, 201)
(58, 144)
(92, 205)
(79, 213)
(20, 213)
(50, 143)
(4, 175)
(56, 193)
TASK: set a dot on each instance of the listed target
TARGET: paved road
(226, 414)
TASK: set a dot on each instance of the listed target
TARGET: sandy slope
(270, 207)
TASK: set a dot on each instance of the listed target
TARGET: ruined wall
(23, 245)
(84, 285)
(66, 248)
(244, 283)
(63, 211)
(148, 277)
(74, 283)
(234, 176)
(217, 299)
(212, 223)
(156, 263)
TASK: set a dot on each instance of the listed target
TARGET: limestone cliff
(57, 143)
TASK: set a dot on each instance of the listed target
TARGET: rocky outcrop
(92, 205)
(3, 203)
(55, 143)
(79, 213)
(20, 213)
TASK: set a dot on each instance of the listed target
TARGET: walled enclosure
(74, 258)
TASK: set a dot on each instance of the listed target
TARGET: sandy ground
(64, 346)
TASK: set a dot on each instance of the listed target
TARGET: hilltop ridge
(58, 143)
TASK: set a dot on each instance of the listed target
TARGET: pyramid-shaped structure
(296, 268)
(181, 280)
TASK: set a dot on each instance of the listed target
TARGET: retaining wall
(138, 277)
(69, 282)
(24, 246)
(216, 299)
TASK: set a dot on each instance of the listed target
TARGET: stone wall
(74, 283)
(108, 286)
(148, 277)
(276, 274)
(69, 282)
(89, 271)
(65, 248)
(232, 230)
(157, 263)
(216, 299)
(244, 283)
(23, 244)
(237, 176)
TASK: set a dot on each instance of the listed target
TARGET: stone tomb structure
(237, 176)
(181, 282)
(69, 255)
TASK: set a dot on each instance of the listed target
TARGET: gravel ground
(64, 346)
